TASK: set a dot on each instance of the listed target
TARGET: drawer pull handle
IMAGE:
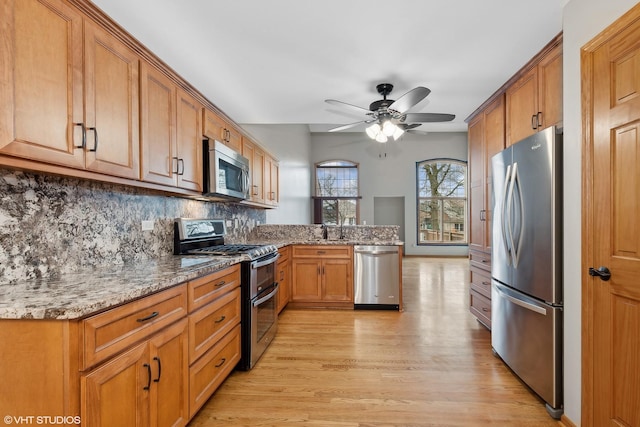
(221, 319)
(148, 386)
(157, 359)
(221, 362)
(486, 283)
(322, 252)
(221, 283)
(95, 141)
(483, 260)
(149, 317)
(485, 309)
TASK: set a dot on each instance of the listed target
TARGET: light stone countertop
(94, 289)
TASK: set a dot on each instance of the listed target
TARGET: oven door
(264, 322)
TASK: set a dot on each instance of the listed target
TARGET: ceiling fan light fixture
(388, 128)
(398, 133)
(373, 130)
(381, 137)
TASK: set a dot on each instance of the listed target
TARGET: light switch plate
(147, 225)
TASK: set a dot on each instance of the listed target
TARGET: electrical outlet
(147, 225)
(229, 223)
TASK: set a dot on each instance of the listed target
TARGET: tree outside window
(442, 202)
(337, 200)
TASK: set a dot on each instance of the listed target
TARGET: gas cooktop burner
(206, 237)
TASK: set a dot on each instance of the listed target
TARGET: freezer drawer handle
(602, 272)
(523, 304)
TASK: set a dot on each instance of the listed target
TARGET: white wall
(291, 145)
(389, 170)
(582, 21)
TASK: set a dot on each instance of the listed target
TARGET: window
(442, 202)
(337, 193)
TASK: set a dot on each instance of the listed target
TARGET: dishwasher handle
(376, 252)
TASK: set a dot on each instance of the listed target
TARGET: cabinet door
(274, 182)
(189, 140)
(476, 183)
(256, 169)
(168, 353)
(111, 104)
(522, 105)
(550, 88)
(337, 280)
(494, 131)
(41, 75)
(284, 284)
(306, 280)
(158, 127)
(117, 393)
(215, 127)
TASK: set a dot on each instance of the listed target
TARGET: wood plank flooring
(430, 365)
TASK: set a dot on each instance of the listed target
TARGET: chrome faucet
(325, 233)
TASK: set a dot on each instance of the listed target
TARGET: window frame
(318, 200)
(465, 242)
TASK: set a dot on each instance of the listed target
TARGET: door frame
(588, 204)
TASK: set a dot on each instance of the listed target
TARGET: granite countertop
(93, 289)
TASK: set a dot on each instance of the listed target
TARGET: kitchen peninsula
(68, 340)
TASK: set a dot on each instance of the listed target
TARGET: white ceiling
(276, 61)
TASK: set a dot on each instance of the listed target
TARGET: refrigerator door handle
(503, 228)
(508, 216)
(519, 236)
(523, 304)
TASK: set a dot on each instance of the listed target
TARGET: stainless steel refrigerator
(526, 263)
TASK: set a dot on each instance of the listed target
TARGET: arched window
(337, 193)
(442, 202)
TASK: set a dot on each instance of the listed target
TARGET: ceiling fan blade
(350, 125)
(409, 99)
(428, 117)
(349, 106)
(407, 126)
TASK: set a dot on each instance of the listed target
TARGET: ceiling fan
(390, 118)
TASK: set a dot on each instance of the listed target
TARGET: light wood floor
(430, 365)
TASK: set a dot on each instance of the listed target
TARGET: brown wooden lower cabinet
(322, 276)
(151, 362)
(480, 286)
(283, 276)
(144, 386)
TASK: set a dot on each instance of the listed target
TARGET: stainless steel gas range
(259, 288)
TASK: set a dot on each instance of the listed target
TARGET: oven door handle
(272, 259)
(266, 297)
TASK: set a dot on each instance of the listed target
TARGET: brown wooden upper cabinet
(486, 139)
(216, 128)
(71, 94)
(255, 154)
(171, 144)
(534, 101)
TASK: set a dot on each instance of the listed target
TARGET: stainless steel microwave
(226, 172)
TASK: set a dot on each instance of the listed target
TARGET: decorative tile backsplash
(50, 225)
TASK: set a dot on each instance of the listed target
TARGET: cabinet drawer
(212, 322)
(480, 281)
(285, 253)
(108, 333)
(304, 251)
(211, 369)
(206, 289)
(480, 306)
(480, 260)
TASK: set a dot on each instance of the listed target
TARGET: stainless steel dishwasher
(377, 277)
